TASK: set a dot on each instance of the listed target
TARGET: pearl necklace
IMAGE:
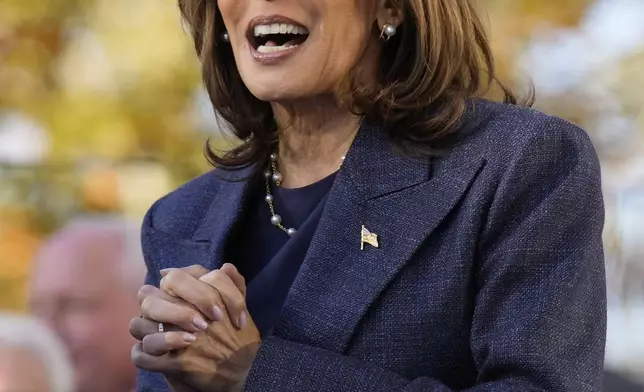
(272, 174)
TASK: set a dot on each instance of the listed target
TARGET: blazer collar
(376, 169)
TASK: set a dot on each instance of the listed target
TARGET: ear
(389, 12)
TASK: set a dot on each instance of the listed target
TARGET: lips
(275, 35)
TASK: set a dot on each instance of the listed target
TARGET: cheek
(232, 13)
(345, 51)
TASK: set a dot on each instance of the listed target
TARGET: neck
(314, 137)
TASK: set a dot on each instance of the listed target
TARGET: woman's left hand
(220, 356)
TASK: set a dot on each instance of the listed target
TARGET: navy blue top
(260, 252)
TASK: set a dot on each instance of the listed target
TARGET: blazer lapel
(392, 196)
(218, 219)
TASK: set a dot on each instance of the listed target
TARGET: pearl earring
(225, 37)
(388, 31)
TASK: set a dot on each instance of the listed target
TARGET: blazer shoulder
(180, 211)
(502, 133)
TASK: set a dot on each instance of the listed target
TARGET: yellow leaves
(143, 40)
(561, 13)
(18, 245)
(514, 22)
(84, 126)
(140, 184)
(100, 189)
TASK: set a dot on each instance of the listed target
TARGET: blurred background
(102, 112)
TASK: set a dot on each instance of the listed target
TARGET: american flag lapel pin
(367, 237)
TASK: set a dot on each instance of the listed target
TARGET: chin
(276, 93)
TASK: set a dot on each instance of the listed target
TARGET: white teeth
(272, 49)
(278, 28)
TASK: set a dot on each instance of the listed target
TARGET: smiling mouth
(277, 37)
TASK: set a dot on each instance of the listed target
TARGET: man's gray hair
(27, 334)
(132, 265)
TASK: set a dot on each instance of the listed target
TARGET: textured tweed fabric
(489, 275)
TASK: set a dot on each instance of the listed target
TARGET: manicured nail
(189, 338)
(242, 320)
(217, 313)
(200, 323)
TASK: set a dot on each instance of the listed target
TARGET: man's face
(22, 371)
(78, 290)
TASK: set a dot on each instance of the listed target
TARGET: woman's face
(288, 49)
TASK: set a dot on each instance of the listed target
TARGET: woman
(458, 245)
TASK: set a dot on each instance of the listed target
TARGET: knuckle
(217, 298)
(210, 278)
(147, 305)
(170, 278)
(200, 269)
(144, 291)
(218, 274)
(240, 304)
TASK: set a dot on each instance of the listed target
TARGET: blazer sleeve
(149, 381)
(539, 319)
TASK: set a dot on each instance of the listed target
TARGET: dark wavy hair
(437, 62)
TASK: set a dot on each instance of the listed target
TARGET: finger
(194, 270)
(161, 311)
(151, 291)
(230, 295)
(236, 277)
(141, 327)
(167, 363)
(162, 342)
(180, 284)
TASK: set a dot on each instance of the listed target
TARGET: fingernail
(217, 313)
(242, 320)
(189, 338)
(165, 271)
(200, 323)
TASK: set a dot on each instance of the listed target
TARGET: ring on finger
(161, 327)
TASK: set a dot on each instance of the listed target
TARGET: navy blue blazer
(489, 275)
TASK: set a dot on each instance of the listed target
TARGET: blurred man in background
(32, 359)
(84, 286)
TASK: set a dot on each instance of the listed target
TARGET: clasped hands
(209, 341)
